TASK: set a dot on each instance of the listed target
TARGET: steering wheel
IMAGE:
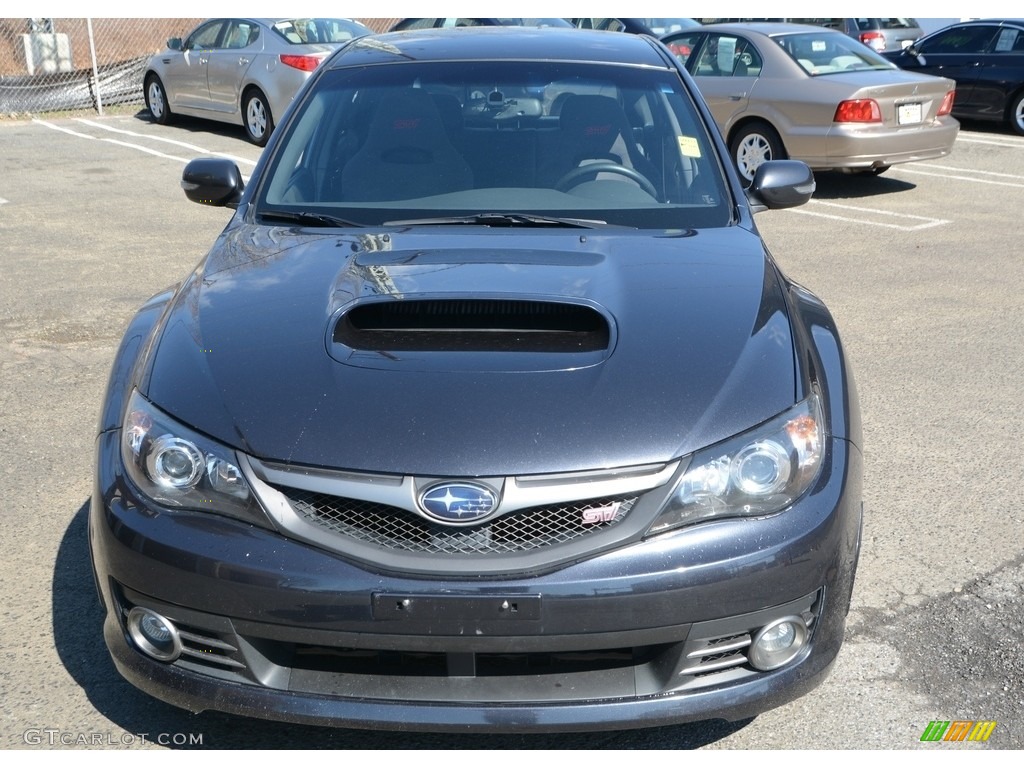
(570, 179)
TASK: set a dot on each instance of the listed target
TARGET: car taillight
(873, 39)
(679, 49)
(858, 111)
(305, 63)
(947, 104)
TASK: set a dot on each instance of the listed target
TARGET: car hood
(697, 348)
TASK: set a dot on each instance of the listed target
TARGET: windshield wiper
(505, 220)
(308, 218)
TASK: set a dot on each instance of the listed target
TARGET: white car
(241, 71)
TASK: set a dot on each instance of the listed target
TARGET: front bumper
(649, 634)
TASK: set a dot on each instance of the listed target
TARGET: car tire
(256, 117)
(1015, 114)
(753, 144)
(156, 100)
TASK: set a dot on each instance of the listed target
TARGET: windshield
(302, 31)
(825, 53)
(616, 145)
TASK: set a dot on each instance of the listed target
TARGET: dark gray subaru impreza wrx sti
(488, 410)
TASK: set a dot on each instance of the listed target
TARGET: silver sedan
(241, 71)
(813, 94)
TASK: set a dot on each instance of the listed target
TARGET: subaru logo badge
(458, 502)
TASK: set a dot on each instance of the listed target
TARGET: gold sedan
(817, 95)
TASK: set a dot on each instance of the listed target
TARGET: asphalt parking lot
(921, 266)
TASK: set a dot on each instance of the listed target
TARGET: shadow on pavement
(835, 185)
(199, 126)
(78, 635)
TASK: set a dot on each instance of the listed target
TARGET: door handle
(242, 61)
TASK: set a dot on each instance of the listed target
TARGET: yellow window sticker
(688, 146)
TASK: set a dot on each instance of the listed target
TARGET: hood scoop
(473, 325)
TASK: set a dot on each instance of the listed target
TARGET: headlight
(175, 466)
(757, 473)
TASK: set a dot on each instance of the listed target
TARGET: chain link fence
(51, 65)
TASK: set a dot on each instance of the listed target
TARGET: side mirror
(911, 55)
(174, 43)
(213, 181)
(780, 184)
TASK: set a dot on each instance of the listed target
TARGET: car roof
(988, 21)
(502, 43)
(977, 22)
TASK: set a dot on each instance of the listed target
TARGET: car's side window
(241, 34)
(962, 40)
(747, 60)
(728, 56)
(414, 24)
(206, 37)
(683, 45)
(607, 25)
(1009, 39)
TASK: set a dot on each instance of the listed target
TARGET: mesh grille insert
(398, 529)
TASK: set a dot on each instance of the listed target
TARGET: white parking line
(182, 144)
(1017, 185)
(139, 147)
(112, 141)
(971, 170)
(1009, 141)
(925, 221)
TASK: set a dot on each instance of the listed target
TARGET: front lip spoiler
(195, 692)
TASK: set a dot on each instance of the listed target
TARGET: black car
(985, 58)
(488, 410)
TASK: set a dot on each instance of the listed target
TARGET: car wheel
(754, 144)
(156, 100)
(1015, 114)
(257, 118)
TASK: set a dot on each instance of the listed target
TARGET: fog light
(778, 643)
(154, 635)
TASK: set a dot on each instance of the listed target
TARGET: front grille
(397, 529)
